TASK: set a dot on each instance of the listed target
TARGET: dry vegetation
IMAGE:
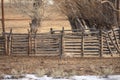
(49, 65)
(98, 13)
(53, 19)
(53, 66)
(94, 12)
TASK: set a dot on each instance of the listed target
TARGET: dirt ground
(52, 18)
(78, 66)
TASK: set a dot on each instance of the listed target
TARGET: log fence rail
(62, 43)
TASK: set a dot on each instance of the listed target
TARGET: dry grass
(53, 19)
(54, 66)
(40, 72)
(1, 75)
(58, 73)
(16, 73)
(103, 71)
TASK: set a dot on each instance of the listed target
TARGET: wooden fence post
(35, 43)
(6, 44)
(29, 42)
(51, 31)
(10, 43)
(61, 43)
(101, 42)
(82, 44)
(118, 12)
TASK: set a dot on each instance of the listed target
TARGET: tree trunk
(78, 24)
(36, 19)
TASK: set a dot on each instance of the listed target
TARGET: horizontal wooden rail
(65, 43)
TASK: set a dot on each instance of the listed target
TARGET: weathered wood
(73, 50)
(72, 47)
(73, 41)
(89, 50)
(72, 44)
(91, 53)
(91, 40)
(6, 44)
(61, 45)
(10, 43)
(118, 13)
(42, 54)
(47, 52)
(115, 46)
(72, 37)
(55, 47)
(109, 47)
(47, 43)
(2, 45)
(101, 43)
(91, 44)
(47, 49)
(35, 44)
(82, 44)
(19, 52)
(116, 41)
(29, 42)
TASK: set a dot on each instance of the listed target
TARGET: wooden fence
(111, 42)
(31, 44)
(64, 43)
(81, 44)
(2, 43)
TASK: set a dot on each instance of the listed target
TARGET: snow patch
(45, 77)
(50, 2)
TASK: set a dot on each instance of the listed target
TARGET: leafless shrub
(103, 71)
(1, 75)
(40, 72)
(101, 13)
(32, 8)
(58, 73)
(16, 73)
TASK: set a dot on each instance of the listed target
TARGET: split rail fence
(64, 43)
(2, 47)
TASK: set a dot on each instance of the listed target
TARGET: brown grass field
(55, 20)
(79, 66)
(52, 19)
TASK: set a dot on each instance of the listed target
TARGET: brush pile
(97, 13)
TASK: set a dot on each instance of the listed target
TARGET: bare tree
(84, 14)
(33, 9)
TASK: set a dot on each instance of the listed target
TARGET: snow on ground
(33, 77)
